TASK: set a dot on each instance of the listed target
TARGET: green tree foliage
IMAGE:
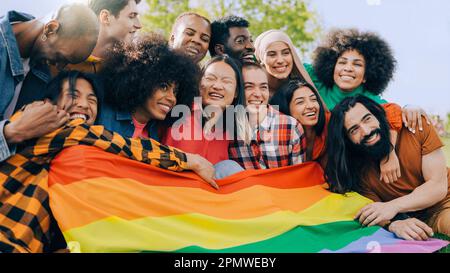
(292, 16)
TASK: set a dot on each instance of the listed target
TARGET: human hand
(390, 169)
(202, 168)
(411, 229)
(376, 213)
(37, 119)
(412, 116)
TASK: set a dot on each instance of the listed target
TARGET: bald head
(77, 21)
(69, 37)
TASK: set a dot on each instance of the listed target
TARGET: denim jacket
(121, 122)
(12, 73)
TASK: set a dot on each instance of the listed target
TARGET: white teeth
(164, 107)
(372, 138)
(258, 102)
(75, 116)
(310, 114)
(347, 78)
(215, 95)
(192, 50)
(280, 69)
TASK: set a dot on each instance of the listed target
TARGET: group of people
(253, 105)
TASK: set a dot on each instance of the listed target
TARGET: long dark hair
(54, 87)
(239, 100)
(283, 98)
(345, 169)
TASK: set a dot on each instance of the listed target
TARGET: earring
(44, 37)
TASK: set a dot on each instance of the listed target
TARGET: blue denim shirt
(121, 122)
(12, 73)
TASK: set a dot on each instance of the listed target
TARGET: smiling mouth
(79, 116)
(347, 78)
(248, 57)
(216, 96)
(372, 140)
(192, 51)
(310, 114)
(280, 69)
(255, 102)
(165, 108)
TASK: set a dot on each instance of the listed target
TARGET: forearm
(424, 196)
(394, 135)
(7, 149)
(147, 151)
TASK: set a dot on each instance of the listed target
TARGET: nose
(279, 59)
(81, 103)
(138, 24)
(249, 46)
(217, 85)
(170, 96)
(309, 104)
(196, 39)
(348, 67)
(365, 130)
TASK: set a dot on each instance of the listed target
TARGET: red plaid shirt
(278, 142)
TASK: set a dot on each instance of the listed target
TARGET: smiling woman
(350, 62)
(144, 82)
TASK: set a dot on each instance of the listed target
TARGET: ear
(104, 17)
(51, 28)
(219, 49)
(172, 39)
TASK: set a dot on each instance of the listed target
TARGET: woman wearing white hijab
(275, 50)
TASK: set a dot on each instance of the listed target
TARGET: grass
(443, 237)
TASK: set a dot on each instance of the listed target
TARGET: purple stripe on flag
(383, 241)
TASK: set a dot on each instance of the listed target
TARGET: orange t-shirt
(409, 148)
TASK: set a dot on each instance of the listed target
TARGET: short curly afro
(132, 72)
(380, 62)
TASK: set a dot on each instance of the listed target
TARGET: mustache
(374, 132)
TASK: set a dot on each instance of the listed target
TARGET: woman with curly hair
(349, 63)
(144, 80)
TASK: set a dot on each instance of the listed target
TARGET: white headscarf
(269, 37)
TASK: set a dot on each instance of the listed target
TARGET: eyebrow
(242, 36)
(355, 59)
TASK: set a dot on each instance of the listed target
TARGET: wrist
(395, 206)
(192, 163)
(12, 134)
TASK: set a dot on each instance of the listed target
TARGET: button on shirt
(278, 142)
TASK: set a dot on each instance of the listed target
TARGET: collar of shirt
(9, 39)
(10, 42)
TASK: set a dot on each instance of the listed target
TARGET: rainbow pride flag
(106, 203)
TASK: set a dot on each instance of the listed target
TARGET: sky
(417, 30)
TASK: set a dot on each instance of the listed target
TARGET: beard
(375, 152)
